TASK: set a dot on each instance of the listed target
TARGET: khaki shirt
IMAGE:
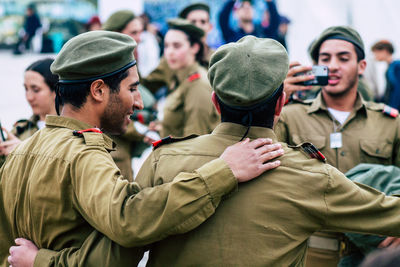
(56, 188)
(122, 156)
(267, 222)
(368, 135)
(188, 108)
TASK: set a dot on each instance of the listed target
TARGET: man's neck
(344, 102)
(247, 26)
(81, 114)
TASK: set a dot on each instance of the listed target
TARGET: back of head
(338, 32)
(118, 20)
(43, 68)
(248, 74)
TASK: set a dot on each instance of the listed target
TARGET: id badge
(336, 140)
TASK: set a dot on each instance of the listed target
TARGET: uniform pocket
(377, 149)
(318, 141)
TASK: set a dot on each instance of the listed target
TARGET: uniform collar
(184, 73)
(234, 129)
(319, 104)
(73, 124)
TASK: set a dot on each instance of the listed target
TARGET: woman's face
(177, 50)
(38, 94)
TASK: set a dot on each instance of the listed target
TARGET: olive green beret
(94, 55)
(185, 26)
(118, 20)
(248, 71)
(337, 32)
(196, 6)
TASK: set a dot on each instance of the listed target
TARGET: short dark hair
(383, 45)
(76, 93)
(261, 114)
(200, 54)
(43, 68)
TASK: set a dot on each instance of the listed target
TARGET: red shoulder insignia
(169, 139)
(194, 76)
(311, 150)
(79, 133)
(389, 111)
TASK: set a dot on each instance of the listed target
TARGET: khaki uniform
(122, 156)
(368, 136)
(188, 108)
(56, 188)
(267, 222)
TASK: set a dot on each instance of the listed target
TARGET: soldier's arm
(246, 159)
(134, 217)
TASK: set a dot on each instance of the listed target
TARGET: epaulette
(311, 150)
(169, 139)
(194, 76)
(389, 111)
(90, 130)
(92, 137)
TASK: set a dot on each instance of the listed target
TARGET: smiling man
(347, 129)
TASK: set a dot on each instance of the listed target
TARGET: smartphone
(321, 75)
(2, 136)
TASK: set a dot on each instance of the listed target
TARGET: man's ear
(98, 90)
(215, 102)
(280, 103)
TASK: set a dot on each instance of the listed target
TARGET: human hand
(290, 83)
(390, 242)
(7, 146)
(248, 160)
(22, 255)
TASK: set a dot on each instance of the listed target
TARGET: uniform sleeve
(353, 207)
(96, 249)
(134, 217)
(396, 148)
(200, 114)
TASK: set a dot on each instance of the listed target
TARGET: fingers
(268, 148)
(385, 243)
(294, 64)
(271, 155)
(22, 241)
(270, 165)
(259, 142)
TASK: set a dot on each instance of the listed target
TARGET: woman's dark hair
(76, 93)
(43, 68)
(261, 114)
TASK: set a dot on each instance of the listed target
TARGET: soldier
(199, 15)
(188, 109)
(274, 215)
(40, 86)
(61, 184)
(346, 129)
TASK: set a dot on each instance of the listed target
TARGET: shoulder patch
(92, 136)
(92, 130)
(311, 150)
(169, 139)
(194, 76)
(389, 111)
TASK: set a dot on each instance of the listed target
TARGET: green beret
(94, 55)
(248, 71)
(337, 32)
(185, 26)
(118, 20)
(196, 6)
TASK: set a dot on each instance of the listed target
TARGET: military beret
(185, 26)
(196, 6)
(118, 20)
(248, 71)
(337, 32)
(94, 55)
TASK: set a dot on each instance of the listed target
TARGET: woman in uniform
(188, 108)
(40, 85)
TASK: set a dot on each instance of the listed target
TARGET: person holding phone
(339, 122)
(40, 86)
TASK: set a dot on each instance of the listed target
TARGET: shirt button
(342, 153)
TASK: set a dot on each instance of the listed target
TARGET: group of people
(246, 173)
